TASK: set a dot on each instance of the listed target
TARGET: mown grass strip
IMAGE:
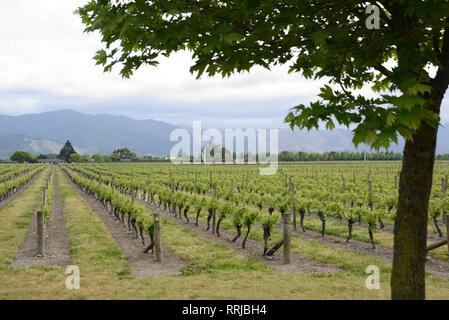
(204, 254)
(91, 245)
(15, 219)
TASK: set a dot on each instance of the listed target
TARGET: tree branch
(436, 43)
(384, 70)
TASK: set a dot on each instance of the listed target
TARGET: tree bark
(301, 221)
(246, 237)
(410, 226)
(239, 233)
(266, 236)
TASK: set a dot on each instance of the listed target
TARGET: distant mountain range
(90, 134)
(47, 132)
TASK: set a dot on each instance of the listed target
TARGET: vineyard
(351, 195)
(312, 227)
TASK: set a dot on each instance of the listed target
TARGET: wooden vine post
(172, 205)
(443, 193)
(292, 189)
(370, 190)
(41, 224)
(447, 232)
(111, 211)
(214, 187)
(40, 233)
(210, 178)
(287, 239)
(157, 237)
(45, 195)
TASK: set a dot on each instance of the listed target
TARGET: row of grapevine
(181, 203)
(320, 191)
(118, 205)
(10, 187)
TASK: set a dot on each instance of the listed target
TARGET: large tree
(23, 156)
(405, 62)
(66, 151)
(125, 154)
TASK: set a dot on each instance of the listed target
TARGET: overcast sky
(46, 64)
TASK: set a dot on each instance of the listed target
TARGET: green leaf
(232, 37)
(391, 118)
(249, 6)
(319, 37)
(418, 88)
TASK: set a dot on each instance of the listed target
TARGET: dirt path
(21, 189)
(56, 246)
(253, 248)
(142, 264)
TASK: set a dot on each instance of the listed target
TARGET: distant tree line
(337, 156)
(444, 156)
(69, 154)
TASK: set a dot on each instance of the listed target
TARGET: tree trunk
(209, 217)
(141, 235)
(197, 217)
(239, 233)
(381, 223)
(301, 221)
(410, 226)
(246, 237)
(217, 229)
(371, 227)
(350, 223)
(435, 222)
(185, 215)
(323, 223)
(266, 236)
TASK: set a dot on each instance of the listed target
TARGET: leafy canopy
(124, 154)
(320, 39)
(66, 151)
(23, 156)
